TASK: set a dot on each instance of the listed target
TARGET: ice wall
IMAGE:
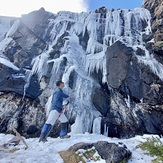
(82, 40)
(101, 30)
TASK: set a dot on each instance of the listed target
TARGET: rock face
(110, 152)
(23, 114)
(105, 59)
(156, 9)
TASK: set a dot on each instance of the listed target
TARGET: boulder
(118, 58)
(14, 81)
(110, 152)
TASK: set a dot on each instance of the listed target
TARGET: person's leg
(63, 118)
(52, 117)
(64, 125)
(48, 125)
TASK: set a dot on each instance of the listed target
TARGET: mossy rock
(101, 150)
(155, 24)
(159, 44)
(71, 157)
(76, 157)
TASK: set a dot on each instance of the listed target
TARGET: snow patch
(49, 151)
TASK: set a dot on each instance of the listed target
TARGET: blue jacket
(57, 99)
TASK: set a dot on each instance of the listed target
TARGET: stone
(117, 61)
(32, 130)
(81, 145)
(153, 124)
(101, 101)
(14, 81)
(110, 152)
(26, 116)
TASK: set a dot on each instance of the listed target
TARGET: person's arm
(64, 95)
(65, 103)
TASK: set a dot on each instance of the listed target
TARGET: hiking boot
(45, 132)
(63, 133)
(43, 140)
(65, 137)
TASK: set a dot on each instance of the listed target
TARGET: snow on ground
(48, 152)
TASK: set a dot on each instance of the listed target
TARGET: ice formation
(97, 125)
(103, 31)
(100, 30)
(7, 63)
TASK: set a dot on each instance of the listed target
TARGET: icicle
(7, 63)
(76, 128)
(105, 130)
(40, 65)
(97, 62)
(55, 70)
(97, 126)
(66, 75)
(83, 122)
(27, 79)
(150, 61)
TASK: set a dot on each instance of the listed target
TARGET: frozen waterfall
(77, 59)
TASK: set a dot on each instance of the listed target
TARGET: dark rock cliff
(107, 59)
(156, 9)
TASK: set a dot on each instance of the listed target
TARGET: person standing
(56, 113)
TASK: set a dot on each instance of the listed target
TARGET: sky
(123, 4)
(19, 7)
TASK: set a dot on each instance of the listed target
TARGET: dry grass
(159, 44)
(71, 157)
(78, 156)
(8, 150)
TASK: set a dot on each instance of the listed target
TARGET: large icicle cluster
(99, 30)
(103, 29)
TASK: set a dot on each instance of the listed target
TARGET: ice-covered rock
(104, 59)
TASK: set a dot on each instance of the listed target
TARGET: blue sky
(123, 4)
(19, 7)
